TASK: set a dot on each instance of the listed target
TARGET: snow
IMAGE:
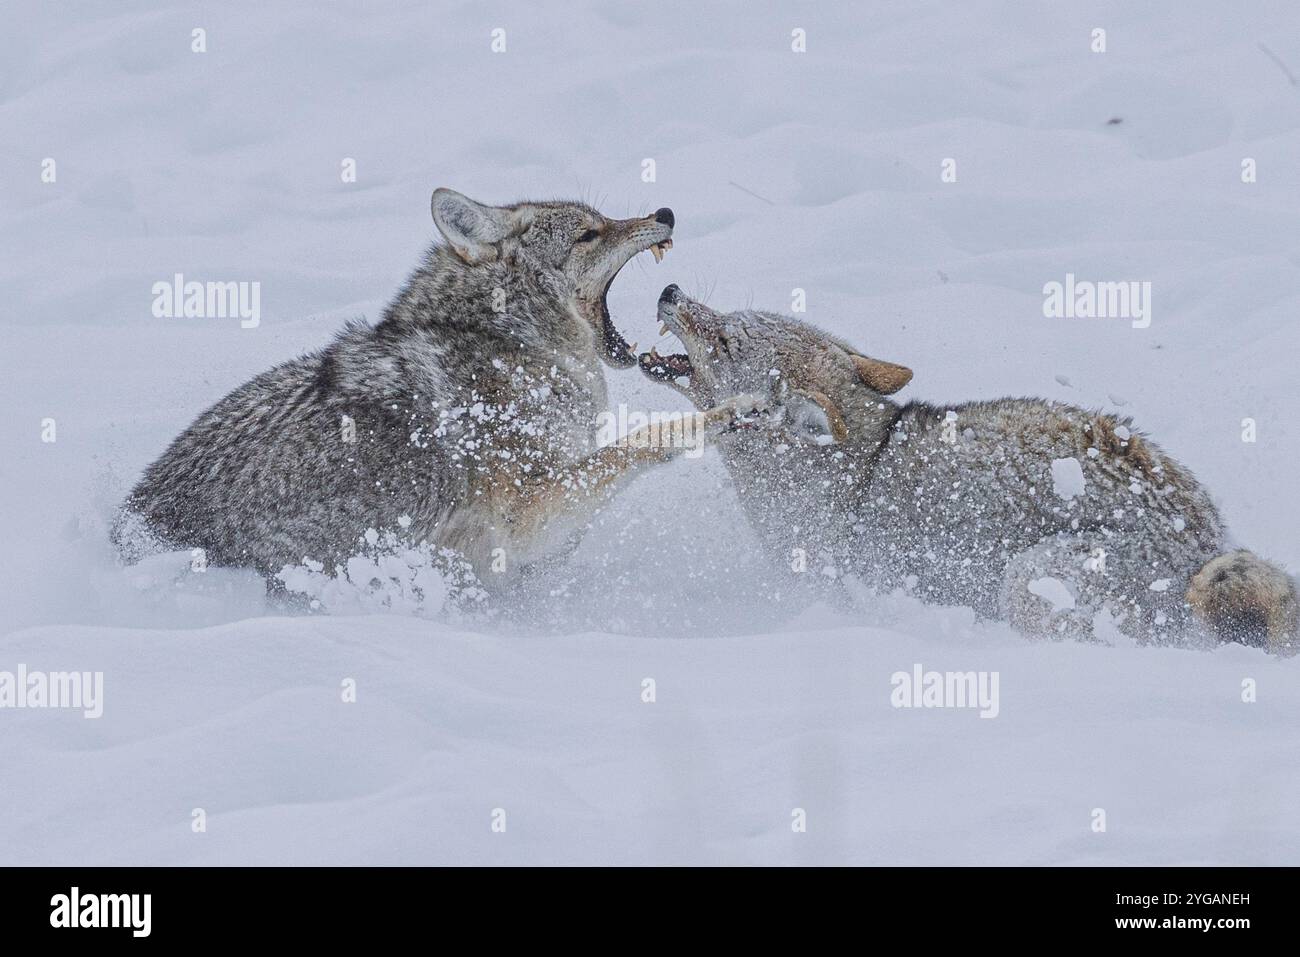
(816, 171)
(1067, 478)
(1053, 591)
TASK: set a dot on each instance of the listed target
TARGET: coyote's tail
(1244, 598)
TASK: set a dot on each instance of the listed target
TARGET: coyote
(1062, 521)
(466, 416)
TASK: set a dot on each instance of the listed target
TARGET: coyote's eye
(590, 236)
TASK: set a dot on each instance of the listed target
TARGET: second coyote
(1062, 521)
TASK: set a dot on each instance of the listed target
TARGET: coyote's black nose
(665, 215)
(669, 294)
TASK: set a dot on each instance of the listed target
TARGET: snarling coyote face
(568, 247)
(820, 382)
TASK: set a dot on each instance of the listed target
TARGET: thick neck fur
(807, 497)
(495, 337)
(505, 306)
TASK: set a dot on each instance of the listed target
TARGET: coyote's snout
(1063, 521)
(467, 417)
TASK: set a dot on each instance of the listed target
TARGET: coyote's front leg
(574, 492)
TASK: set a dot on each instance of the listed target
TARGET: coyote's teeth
(657, 251)
(667, 244)
(663, 328)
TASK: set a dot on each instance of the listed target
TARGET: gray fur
(965, 512)
(474, 402)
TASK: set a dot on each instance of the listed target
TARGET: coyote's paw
(739, 412)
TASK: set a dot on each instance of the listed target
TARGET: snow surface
(1067, 478)
(817, 171)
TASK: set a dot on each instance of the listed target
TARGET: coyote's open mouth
(617, 351)
(677, 365)
(665, 368)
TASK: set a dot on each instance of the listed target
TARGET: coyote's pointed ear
(811, 415)
(470, 228)
(884, 377)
